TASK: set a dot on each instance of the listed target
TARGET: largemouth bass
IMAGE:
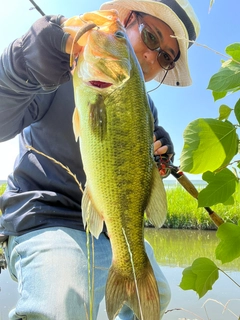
(113, 120)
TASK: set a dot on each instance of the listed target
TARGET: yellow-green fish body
(115, 126)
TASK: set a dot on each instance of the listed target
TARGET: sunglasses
(151, 41)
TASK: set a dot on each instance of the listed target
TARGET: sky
(177, 107)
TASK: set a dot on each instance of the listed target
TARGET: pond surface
(174, 250)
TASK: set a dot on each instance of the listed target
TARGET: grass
(2, 188)
(183, 211)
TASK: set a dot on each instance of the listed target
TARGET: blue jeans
(51, 268)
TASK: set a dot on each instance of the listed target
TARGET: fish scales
(113, 120)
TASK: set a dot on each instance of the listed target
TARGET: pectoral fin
(156, 210)
(91, 218)
(76, 123)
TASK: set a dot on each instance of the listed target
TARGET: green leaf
(209, 144)
(227, 78)
(234, 51)
(237, 192)
(200, 276)
(237, 110)
(229, 246)
(218, 95)
(221, 186)
(229, 202)
(224, 112)
(188, 280)
(236, 89)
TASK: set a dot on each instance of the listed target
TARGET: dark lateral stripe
(183, 17)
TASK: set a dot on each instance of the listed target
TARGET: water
(174, 250)
(170, 183)
(187, 305)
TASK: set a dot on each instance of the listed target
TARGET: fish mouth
(100, 84)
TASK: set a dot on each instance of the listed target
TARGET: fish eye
(120, 34)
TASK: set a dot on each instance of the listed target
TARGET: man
(46, 242)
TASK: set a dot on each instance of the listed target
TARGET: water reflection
(185, 305)
(178, 248)
(174, 250)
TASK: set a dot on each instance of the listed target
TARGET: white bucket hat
(180, 17)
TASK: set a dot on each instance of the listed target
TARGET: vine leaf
(189, 278)
(218, 95)
(220, 188)
(237, 111)
(230, 201)
(210, 139)
(229, 247)
(234, 51)
(224, 112)
(227, 78)
(200, 277)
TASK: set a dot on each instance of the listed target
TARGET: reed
(183, 211)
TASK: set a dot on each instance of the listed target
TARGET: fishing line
(160, 82)
(134, 273)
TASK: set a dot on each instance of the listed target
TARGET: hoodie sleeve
(160, 133)
(31, 68)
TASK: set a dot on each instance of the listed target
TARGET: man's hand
(40, 57)
(163, 143)
(159, 148)
(70, 47)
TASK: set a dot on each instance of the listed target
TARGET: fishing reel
(164, 165)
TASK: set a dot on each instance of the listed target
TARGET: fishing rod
(166, 167)
(35, 6)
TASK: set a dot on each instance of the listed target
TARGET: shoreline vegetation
(183, 211)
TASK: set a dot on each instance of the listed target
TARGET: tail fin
(121, 290)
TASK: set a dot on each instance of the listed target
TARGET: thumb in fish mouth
(68, 45)
(71, 47)
(70, 42)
